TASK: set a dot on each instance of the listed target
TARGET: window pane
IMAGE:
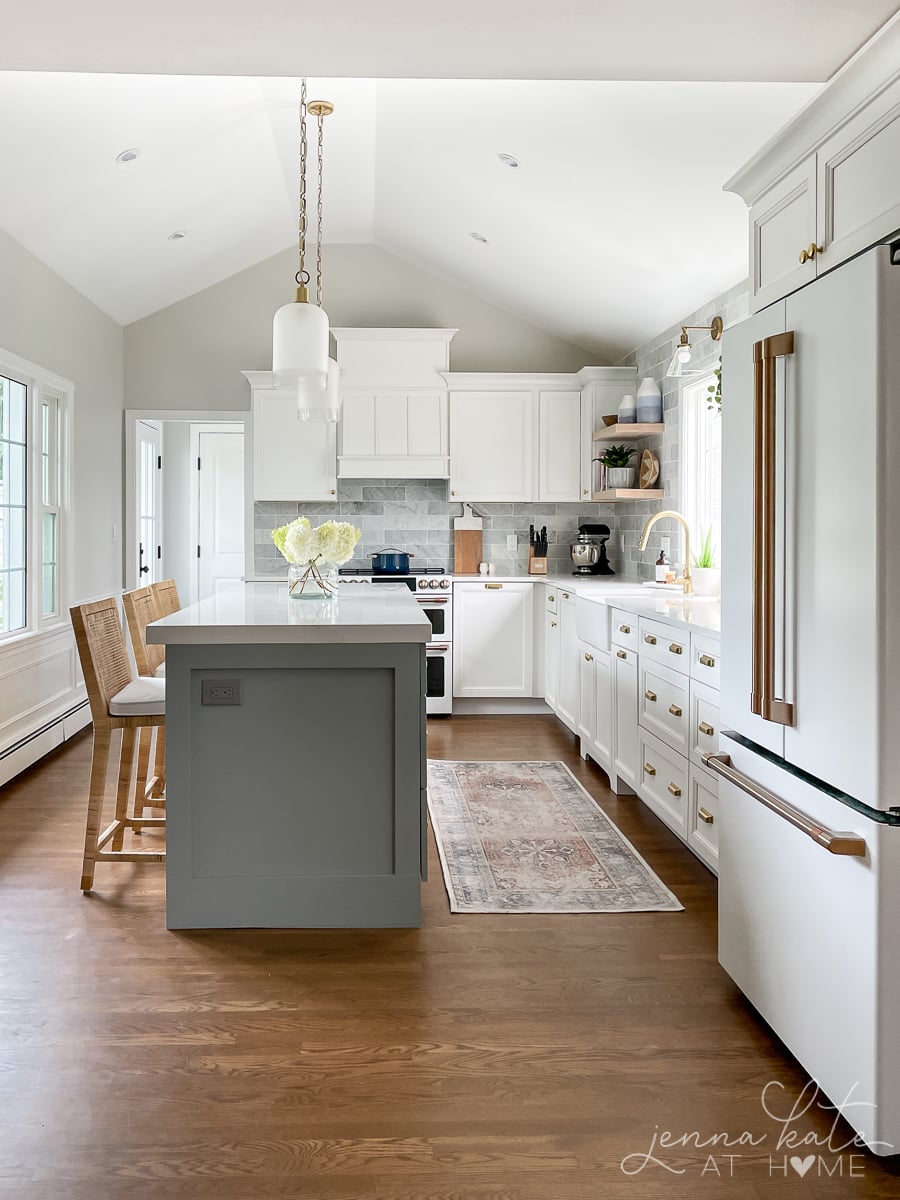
(12, 473)
(12, 601)
(48, 602)
(17, 393)
(49, 540)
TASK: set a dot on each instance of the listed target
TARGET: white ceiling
(612, 228)
(491, 39)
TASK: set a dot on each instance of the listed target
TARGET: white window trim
(42, 383)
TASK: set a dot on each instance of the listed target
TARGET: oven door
(439, 612)
(438, 677)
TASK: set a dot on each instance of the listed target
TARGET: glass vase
(313, 580)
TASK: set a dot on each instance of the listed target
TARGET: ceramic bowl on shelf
(611, 419)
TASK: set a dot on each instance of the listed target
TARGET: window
(33, 409)
(701, 474)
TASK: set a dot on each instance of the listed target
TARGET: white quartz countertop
(262, 613)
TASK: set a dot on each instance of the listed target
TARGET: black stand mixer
(588, 551)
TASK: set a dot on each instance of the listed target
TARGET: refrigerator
(809, 764)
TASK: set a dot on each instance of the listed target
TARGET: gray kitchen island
(295, 754)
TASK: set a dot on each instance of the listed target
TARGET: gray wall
(46, 321)
(191, 354)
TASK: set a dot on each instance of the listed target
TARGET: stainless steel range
(434, 592)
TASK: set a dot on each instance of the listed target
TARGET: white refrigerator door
(737, 526)
(811, 939)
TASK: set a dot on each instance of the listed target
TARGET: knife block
(536, 565)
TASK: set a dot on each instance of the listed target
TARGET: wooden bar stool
(140, 609)
(165, 594)
(118, 702)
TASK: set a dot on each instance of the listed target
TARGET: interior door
(148, 532)
(220, 509)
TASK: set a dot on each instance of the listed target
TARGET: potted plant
(704, 572)
(619, 472)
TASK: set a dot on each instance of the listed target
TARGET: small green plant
(714, 401)
(706, 556)
(617, 456)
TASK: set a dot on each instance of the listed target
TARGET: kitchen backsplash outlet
(417, 516)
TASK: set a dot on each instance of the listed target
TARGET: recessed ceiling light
(128, 155)
(479, 237)
(508, 160)
(177, 235)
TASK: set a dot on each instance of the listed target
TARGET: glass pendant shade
(678, 365)
(300, 345)
(315, 403)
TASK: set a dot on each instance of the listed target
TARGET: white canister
(649, 403)
(627, 410)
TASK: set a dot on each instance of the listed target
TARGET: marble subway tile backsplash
(417, 516)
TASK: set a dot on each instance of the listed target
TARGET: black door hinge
(159, 551)
(159, 462)
(198, 551)
(198, 462)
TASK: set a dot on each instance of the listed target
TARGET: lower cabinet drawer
(624, 629)
(664, 704)
(704, 722)
(703, 817)
(665, 644)
(664, 782)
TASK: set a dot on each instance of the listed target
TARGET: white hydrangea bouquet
(314, 554)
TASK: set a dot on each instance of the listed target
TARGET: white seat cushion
(143, 697)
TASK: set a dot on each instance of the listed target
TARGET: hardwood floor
(478, 1058)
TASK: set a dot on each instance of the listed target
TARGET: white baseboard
(30, 749)
(498, 706)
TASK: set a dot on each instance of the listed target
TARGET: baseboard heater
(41, 730)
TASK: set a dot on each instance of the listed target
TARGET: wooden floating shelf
(615, 495)
(627, 433)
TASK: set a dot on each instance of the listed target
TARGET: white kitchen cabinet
(569, 685)
(664, 704)
(595, 717)
(782, 223)
(551, 659)
(492, 445)
(664, 782)
(703, 816)
(626, 744)
(493, 639)
(559, 446)
(291, 459)
(394, 435)
(587, 708)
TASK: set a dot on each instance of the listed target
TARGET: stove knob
(445, 583)
(423, 584)
(433, 583)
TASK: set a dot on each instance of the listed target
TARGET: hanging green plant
(714, 400)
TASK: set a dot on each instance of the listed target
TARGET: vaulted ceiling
(612, 226)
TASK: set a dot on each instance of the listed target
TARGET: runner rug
(525, 837)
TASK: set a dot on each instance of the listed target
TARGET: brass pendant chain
(302, 274)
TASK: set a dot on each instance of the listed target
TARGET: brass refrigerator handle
(763, 701)
(834, 842)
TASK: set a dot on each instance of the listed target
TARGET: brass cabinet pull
(552, 624)
(650, 770)
(763, 701)
(333, 492)
(705, 815)
(707, 660)
(649, 639)
(835, 843)
(588, 658)
(676, 649)
(624, 629)
(706, 728)
(674, 789)
(804, 256)
(621, 654)
(453, 493)
(674, 710)
(551, 597)
(565, 595)
(649, 695)
(493, 586)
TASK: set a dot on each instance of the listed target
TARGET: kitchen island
(295, 748)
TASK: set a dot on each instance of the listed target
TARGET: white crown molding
(495, 381)
(606, 375)
(346, 334)
(868, 73)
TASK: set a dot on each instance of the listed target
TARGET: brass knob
(551, 597)
(810, 252)
(552, 624)
(621, 654)
(804, 256)
(584, 492)
(588, 658)
(706, 728)
(674, 789)
(705, 815)
(649, 770)
(453, 493)
(651, 696)
(674, 710)
(649, 639)
(565, 595)
(333, 492)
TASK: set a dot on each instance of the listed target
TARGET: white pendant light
(315, 403)
(300, 330)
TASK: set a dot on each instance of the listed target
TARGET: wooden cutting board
(467, 551)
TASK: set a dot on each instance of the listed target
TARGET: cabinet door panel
(603, 720)
(492, 445)
(859, 181)
(427, 425)
(551, 661)
(627, 748)
(567, 708)
(493, 648)
(782, 223)
(587, 676)
(292, 460)
(560, 449)
(357, 424)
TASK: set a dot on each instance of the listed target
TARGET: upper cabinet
(394, 422)
(828, 185)
(291, 459)
(602, 388)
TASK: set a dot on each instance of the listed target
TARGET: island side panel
(300, 806)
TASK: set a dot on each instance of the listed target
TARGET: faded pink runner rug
(525, 837)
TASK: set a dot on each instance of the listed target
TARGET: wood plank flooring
(478, 1058)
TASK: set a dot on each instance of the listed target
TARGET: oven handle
(433, 599)
(436, 648)
(835, 843)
